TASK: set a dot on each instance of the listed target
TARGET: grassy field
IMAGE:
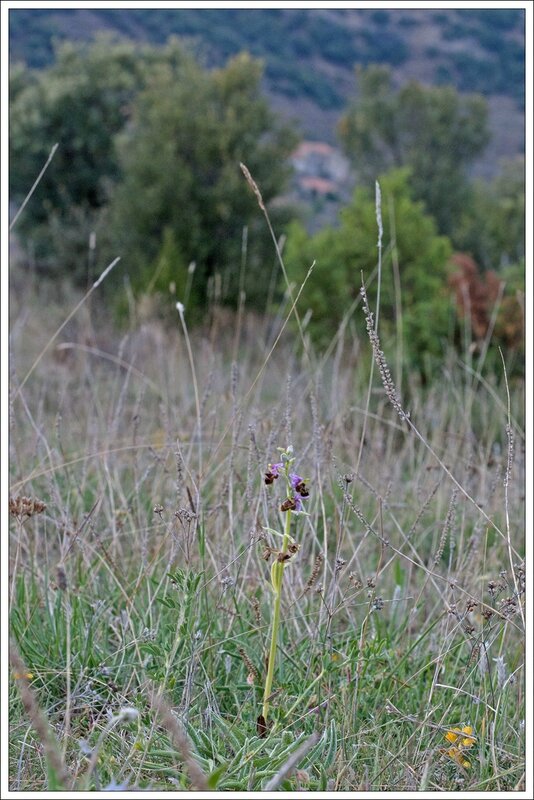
(139, 587)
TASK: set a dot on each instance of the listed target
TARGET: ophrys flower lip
(299, 485)
(272, 472)
(292, 504)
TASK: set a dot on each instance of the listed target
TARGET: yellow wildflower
(462, 739)
(468, 740)
(456, 754)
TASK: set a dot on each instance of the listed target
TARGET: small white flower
(180, 307)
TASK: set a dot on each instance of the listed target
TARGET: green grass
(380, 663)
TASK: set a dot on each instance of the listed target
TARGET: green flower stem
(278, 573)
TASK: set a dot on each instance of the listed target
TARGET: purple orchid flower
(299, 485)
(273, 472)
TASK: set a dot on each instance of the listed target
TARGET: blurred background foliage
(435, 131)
(343, 255)
(148, 167)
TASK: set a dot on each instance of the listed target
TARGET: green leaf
(398, 573)
(215, 776)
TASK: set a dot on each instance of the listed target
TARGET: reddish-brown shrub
(477, 294)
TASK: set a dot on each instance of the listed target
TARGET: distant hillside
(310, 54)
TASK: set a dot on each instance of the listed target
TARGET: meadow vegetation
(143, 570)
(244, 428)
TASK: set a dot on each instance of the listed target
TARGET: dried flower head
(378, 604)
(355, 581)
(315, 572)
(508, 607)
(252, 671)
(25, 506)
(340, 563)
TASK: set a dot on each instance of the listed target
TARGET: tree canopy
(434, 131)
(180, 161)
(414, 277)
(81, 102)
(149, 150)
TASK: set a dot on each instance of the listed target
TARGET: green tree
(492, 227)
(434, 131)
(148, 159)
(81, 102)
(180, 158)
(414, 257)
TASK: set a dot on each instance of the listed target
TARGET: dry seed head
(227, 582)
(520, 576)
(257, 611)
(380, 359)
(355, 581)
(378, 604)
(474, 654)
(340, 563)
(447, 525)
(315, 572)
(508, 606)
(61, 577)
(252, 671)
(510, 456)
(25, 506)
(469, 629)
(253, 185)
